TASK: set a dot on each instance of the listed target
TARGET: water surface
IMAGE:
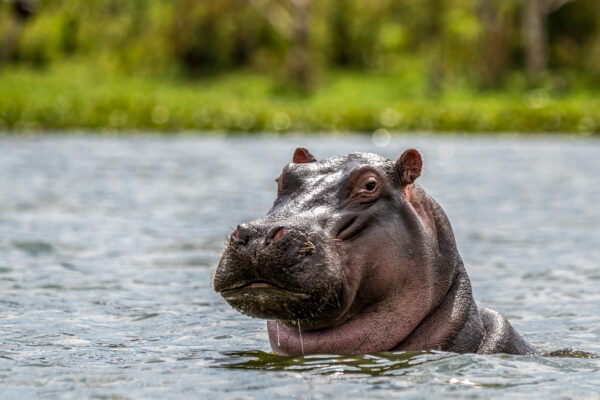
(107, 245)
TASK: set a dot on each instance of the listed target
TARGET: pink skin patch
(302, 156)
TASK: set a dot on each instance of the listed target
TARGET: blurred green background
(300, 65)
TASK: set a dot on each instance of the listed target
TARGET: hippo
(354, 257)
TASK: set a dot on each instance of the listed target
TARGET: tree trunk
(435, 67)
(299, 63)
(534, 32)
(22, 10)
(493, 43)
(535, 13)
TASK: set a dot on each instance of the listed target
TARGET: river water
(107, 245)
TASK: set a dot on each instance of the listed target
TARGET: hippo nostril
(279, 234)
(276, 233)
(241, 235)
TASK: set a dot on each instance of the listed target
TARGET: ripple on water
(143, 317)
(34, 248)
(494, 371)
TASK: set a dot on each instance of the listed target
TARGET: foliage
(70, 96)
(300, 64)
(201, 37)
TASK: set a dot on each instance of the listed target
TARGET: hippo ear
(409, 166)
(302, 156)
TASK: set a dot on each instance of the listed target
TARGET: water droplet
(390, 118)
(300, 332)
(160, 114)
(381, 137)
(281, 121)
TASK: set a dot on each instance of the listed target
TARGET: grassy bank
(76, 97)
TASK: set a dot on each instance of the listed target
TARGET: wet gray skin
(354, 257)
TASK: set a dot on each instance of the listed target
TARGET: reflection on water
(369, 364)
(385, 363)
(107, 245)
(572, 353)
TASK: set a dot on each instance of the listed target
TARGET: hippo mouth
(260, 287)
(262, 299)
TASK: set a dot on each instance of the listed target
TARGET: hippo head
(348, 242)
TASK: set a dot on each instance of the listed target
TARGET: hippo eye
(371, 185)
(367, 187)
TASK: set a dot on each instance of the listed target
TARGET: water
(107, 245)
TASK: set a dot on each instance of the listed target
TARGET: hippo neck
(454, 325)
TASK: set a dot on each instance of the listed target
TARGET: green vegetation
(300, 65)
(73, 97)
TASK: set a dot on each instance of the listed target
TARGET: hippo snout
(277, 271)
(256, 252)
